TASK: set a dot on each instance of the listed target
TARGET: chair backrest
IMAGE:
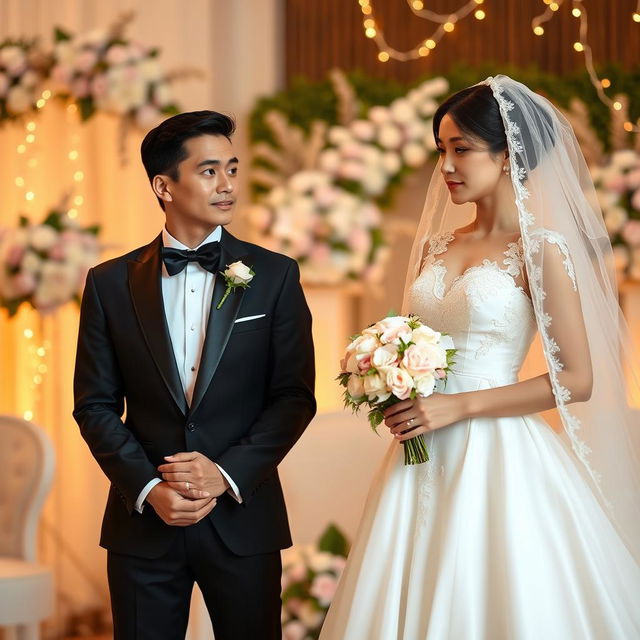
(27, 463)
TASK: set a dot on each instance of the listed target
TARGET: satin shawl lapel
(221, 320)
(146, 291)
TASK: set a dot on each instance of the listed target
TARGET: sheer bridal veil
(568, 260)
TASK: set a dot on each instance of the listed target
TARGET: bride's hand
(410, 418)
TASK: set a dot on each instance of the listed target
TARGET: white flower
(320, 561)
(389, 136)
(425, 385)
(402, 111)
(294, 630)
(162, 94)
(330, 160)
(374, 182)
(425, 334)
(379, 115)
(150, 69)
(339, 136)
(239, 273)
(363, 130)
(434, 87)
(414, 154)
(624, 159)
(614, 219)
(384, 357)
(391, 162)
(309, 615)
(375, 386)
(19, 99)
(304, 181)
(43, 237)
(31, 263)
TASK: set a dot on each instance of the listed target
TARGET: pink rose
(23, 284)
(423, 358)
(616, 183)
(323, 588)
(15, 255)
(633, 179)
(294, 630)
(400, 383)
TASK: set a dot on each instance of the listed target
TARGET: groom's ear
(162, 188)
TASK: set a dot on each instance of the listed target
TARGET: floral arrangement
(310, 575)
(22, 71)
(618, 189)
(392, 360)
(45, 265)
(100, 70)
(325, 216)
(332, 233)
(236, 275)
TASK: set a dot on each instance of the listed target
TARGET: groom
(217, 390)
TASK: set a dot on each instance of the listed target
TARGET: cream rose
(384, 357)
(425, 334)
(425, 385)
(239, 273)
(423, 358)
(43, 237)
(376, 388)
(400, 382)
(355, 387)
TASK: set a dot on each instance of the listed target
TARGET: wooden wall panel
(323, 34)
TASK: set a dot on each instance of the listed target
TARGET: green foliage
(305, 101)
(333, 541)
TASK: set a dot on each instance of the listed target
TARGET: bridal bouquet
(395, 359)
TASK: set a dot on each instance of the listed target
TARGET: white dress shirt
(187, 301)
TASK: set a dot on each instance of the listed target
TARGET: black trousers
(150, 597)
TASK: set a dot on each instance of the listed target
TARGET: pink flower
(616, 183)
(320, 254)
(633, 179)
(99, 86)
(117, 54)
(80, 87)
(58, 251)
(359, 240)
(352, 170)
(294, 630)
(86, 60)
(323, 588)
(15, 255)
(423, 358)
(24, 284)
(631, 232)
(400, 383)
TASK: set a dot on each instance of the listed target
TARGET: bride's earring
(506, 170)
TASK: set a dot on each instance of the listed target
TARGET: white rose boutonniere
(236, 275)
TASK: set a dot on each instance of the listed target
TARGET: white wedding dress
(498, 536)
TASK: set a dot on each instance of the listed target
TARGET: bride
(510, 531)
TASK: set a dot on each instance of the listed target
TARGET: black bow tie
(208, 256)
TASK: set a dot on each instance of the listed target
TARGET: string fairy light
(446, 22)
(579, 11)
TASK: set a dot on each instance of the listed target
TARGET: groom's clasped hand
(190, 489)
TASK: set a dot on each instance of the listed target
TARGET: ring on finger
(187, 485)
(410, 422)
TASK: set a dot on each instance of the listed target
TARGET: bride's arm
(562, 303)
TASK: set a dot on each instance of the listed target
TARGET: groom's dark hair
(162, 149)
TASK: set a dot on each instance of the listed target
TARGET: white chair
(26, 472)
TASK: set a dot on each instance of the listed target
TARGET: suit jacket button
(191, 426)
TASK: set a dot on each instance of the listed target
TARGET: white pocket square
(246, 318)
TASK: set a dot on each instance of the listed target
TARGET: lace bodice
(489, 317)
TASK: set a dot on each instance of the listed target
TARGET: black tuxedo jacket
(253, 397)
